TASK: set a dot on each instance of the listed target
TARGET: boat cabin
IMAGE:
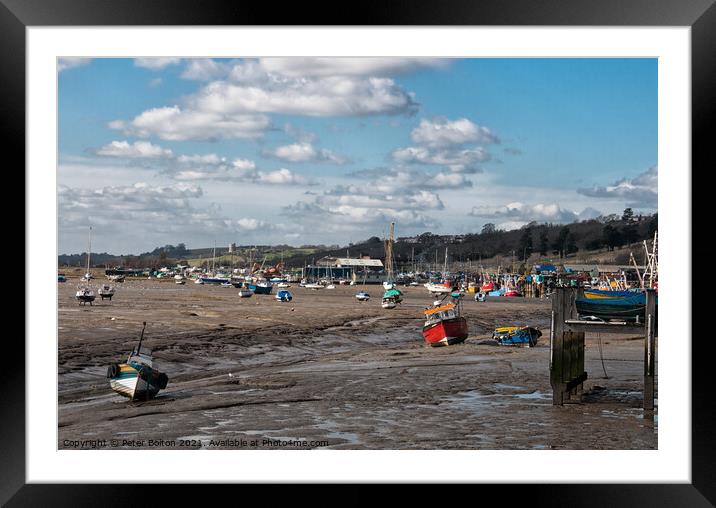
(437, 314)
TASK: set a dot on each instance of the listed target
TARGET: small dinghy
(517, 336)
(137, 379)
(61, 278)
(284, 296)
(283, 285)
(106, 291)
(362, 296)
(245, 292)
(179, 279)
(85, 295)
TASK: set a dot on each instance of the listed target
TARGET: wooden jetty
(566, 365)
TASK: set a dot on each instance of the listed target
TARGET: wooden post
(566, 349)
(649, 349)
(556, 346)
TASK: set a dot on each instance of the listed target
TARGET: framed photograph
(394, 248)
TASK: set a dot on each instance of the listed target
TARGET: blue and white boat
(284, 296)
(261, 288)
(517, 336)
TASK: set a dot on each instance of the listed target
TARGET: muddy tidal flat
(328, 371)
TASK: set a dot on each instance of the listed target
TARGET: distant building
(357, 269)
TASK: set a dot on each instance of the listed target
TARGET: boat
(61, 278)
(488, 287)
(391, 298)
(137, 379)
(261, 288)
(622, 308)
(214, 280)
(284, 296)
(314, 285)
(512, 292)
(106, 291)
(602, 293)
(85, 295)
(179, 279)
(226, 285)
(444, 325)
(116, 278)
(283, 285)
(388, 303)
(439, 288)
(246, 292)
(362, 296)
(330, 286)
(517, 335)
(198, 281)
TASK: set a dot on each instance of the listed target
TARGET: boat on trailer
(137, 379)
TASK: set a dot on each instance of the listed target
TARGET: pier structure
(566, 364)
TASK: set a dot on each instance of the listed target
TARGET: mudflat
(328, 371)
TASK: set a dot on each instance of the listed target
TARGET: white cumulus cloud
(176, 124)
(641, 191)
(156, 63)
(441, 133)
(138, 149)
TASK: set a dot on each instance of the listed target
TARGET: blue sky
(302, 151)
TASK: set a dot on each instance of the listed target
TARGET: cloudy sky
(317, 150)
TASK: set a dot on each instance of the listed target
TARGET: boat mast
(389, 252)
(89, 249)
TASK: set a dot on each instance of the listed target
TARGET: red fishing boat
(487, 287)
(444, 325)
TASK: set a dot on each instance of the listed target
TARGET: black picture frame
(17, 15)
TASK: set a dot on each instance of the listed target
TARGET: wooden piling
(649, 349)
(567, 373)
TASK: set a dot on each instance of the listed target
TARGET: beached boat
(179, 279)
(261, 288)
(511, 292)
(85, 295)
(61, 278)
(246, 292)
(283, 285)
(314, 285)
(116, 278)
(362, 296)
(392, 298)
(217, 281)
(439, 288)
(444, 325)
(137, 379)
(106, 291)
(284, 296)
(517, 335)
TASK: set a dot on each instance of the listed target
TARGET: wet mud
(327, 371)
